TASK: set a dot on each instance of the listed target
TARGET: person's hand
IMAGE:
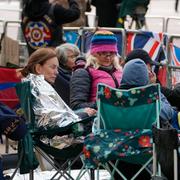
(152, 77)
(90, 111)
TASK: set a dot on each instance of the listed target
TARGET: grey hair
(92, 61)
(61, 52)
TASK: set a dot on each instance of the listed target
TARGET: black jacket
(62, 85)
(80, 88)
(107, 12)
(80, 91)
(57, 15)
(172, 95)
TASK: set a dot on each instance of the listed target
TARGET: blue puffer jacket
(135, 74)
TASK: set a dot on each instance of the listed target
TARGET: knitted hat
(135, 74)
(103, 40)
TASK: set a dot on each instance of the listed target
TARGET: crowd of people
(64, 81)
(76, 87)
(47, 69)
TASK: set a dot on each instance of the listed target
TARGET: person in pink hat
(102, 66)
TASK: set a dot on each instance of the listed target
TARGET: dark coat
(62, 85)
(81, 87)
(57, 16)
(80, 92)
(107, 12)
(172, 95)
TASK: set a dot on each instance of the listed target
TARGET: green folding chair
(123, 128)
(33, 140)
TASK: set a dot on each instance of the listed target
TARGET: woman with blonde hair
(102, 67)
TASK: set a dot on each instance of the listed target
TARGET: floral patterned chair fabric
(124, 124)
(106, 145)
(128, 109)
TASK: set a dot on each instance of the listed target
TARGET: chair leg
(154, 160)
(6, 145)
(143, 167)
(18, 165)
(175, 165)
(50, 160)
(117, 170)
(92, 174)
(31, 175)
(40, 160)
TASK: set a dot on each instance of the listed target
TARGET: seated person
(143, 55)
(49, 108)
(102, 66)
(173, 95)
(135, 73)
(66, 54)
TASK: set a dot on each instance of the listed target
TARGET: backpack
(42, 31)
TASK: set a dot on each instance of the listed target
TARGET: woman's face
(105, 58)
(71, 59)
(49, 69)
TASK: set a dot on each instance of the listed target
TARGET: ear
(38, 69)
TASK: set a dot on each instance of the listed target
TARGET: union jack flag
(149, 41)
(175, 55)
(175, 61)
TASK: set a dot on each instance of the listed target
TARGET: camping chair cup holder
(167, 154)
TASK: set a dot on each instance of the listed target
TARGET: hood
(135, 74)
(36, 8)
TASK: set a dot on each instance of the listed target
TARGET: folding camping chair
(123, 128)
(8, 79)
(33, 140)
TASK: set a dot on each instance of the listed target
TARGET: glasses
(107, 54)
(72, 56)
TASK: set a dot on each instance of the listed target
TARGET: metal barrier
(170, 67)
(78, 36)
(81, 41)
(161, 21)
(82, 37)
(168, 22)
(15, 33)
(2, 22)
(120, 34)
(11, 10)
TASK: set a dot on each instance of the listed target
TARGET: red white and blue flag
(175, 61)
(149, 41)
(175, 55)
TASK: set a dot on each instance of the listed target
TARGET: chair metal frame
(102, 123)
(64, 169)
